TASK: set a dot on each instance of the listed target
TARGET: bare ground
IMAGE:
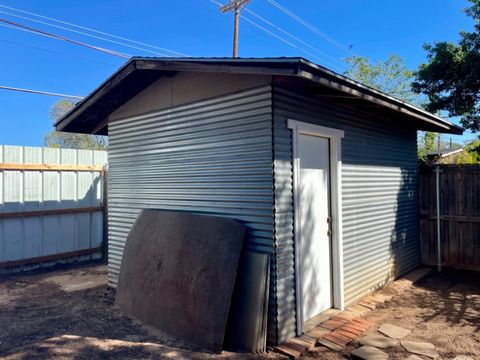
(442, 309)
(70, 314)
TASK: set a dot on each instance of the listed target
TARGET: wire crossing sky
(102, 32)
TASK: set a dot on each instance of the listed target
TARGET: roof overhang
(90, 115)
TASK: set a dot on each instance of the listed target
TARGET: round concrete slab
(369, 353)
(414, 357)
(378, 341)
(178, 272)
(394, 332)
(420, 348)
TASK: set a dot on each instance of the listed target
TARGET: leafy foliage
(470, 155)
(390, 76)
(394, 78)
(426, 144)
(58, 139)
(451, 77)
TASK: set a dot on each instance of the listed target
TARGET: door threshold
(318, 319)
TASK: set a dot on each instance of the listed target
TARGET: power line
(39, 92)
(51, 51)
(19, 29)
(63, 38)
(285, 41)
(310, 26)
(294, 37)
(83, 33)
(176, 53)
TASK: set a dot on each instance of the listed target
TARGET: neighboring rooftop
(90, 114)
(444, 152)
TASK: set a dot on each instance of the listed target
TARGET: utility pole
(236, 6)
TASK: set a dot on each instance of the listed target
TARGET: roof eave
(284, 66)
(126, 69)
(356, 89)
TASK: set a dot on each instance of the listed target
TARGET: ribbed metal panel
(212, 157)
(29, 190)
(284, 267)
(380, 207)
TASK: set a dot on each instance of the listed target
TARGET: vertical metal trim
(274, 259)
(296, 234)
(335, 136)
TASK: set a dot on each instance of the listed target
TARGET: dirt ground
(442, 309)
(70, 314)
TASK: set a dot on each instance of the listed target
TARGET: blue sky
(374, 28)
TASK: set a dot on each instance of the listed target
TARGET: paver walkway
(369, 353)
(347, 326)
(420, 348)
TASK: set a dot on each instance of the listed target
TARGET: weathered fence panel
(459, 216)
(51, 204)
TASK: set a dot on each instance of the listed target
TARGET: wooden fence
(51, 206)
(459, 195)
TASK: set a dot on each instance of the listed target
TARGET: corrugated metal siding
(26, 238)
(380, 207)
(213, 157)
(285, 287)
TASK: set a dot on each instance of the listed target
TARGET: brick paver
(288, 351)
(305, 341)
(318, 332)
(346, 326)
(332, 324)
(338, 339)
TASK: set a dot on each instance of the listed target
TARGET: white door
(314, 235)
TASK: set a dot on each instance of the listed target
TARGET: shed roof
(91, 113)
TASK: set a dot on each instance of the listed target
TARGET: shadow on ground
(442, 309)
(70, 314)
(454, 298)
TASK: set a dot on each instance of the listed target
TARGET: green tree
(470, 155)
(451, 76)
(426, 143)
(58, 139)
(394, 78)
(390, 76)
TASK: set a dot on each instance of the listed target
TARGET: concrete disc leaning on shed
(178, 272)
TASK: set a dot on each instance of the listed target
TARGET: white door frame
(335, 136)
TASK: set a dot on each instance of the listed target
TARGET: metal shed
(320, 168)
